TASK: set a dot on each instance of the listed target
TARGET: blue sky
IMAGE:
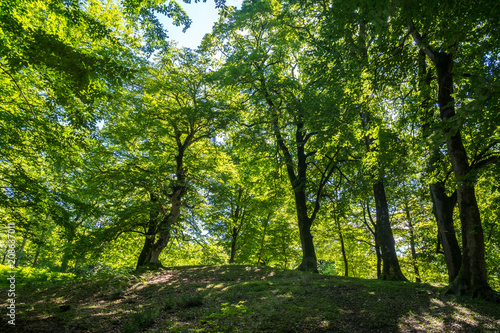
(203, 15)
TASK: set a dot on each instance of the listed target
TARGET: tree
(158, 163)
(282, 83)
(443, 45)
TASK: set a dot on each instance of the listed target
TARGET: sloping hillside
(245, 299)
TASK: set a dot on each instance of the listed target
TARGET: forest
(342, 137)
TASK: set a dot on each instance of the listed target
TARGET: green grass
(247, 299)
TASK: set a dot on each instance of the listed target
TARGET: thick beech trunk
(385, 239)
(443, 205)
(152, 248)
(309, 261)
(472, 277)
(158, 234)
(443, 211)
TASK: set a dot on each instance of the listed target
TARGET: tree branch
(18, 87)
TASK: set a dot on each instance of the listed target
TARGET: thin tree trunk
(234, 239)
(374, 233)
(344, 255)
(266, 222)
(37, 254)
(341, 236)
(5, 253)
(19, 256)
(412, 243)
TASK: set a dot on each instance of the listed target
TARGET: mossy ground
(244, 299)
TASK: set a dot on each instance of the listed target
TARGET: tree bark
(342, 245)
(412, 243)
(149, 240)
(443, 205)
(266, 222)
(299, 181)
(390, 263)
(309, 261)
(234, 239)
(443, 211)
(374, 233)
(37, 254)
(383, 232)
(472, 277)
(152, 248)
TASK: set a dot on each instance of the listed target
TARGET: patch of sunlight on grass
(215, 286)
(422, 322)
(464, 315)
(287, 295)
(438, 303)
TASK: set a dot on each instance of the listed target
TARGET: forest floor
(244, 299)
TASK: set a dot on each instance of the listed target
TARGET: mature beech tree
(289, 99)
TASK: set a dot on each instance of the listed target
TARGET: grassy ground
(244, 299)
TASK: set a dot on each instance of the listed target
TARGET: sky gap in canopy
(203, 16)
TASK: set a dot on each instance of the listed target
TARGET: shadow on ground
(245, 299)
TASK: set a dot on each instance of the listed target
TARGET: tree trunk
(344, 255)
(5, 252)
(153, 256)
(374, 233)
(472, 277)
(19, 256)
(341, 237)
(379, 262)
(412, 243)
(266, 222)
(37, 254)
(309, 262)
(234, 239)
(443, 211)
(64, 261)
(383, 232)
(390, 264)
(150, 254)
(443, 205)
(151, 251)
(146, 250)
